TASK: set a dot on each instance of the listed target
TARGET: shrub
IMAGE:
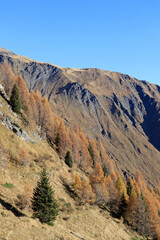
(8, 185)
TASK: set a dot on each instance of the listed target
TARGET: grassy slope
(89, 222)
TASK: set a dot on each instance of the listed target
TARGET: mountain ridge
(118, 109)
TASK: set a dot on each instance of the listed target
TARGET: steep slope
(20, 164)
(116, 108)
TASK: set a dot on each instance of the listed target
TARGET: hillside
(101, 152)
(21, 163)
(115, 108)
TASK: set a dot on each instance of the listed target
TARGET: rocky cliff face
(118, 109)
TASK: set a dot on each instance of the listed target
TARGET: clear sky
(116, 35)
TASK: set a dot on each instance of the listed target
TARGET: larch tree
(83, 190)
(112, 190)
(87, 194)
(62, 140)
(32, 111)
(7, 78)
(77, 183)
(75, 147)
(23, 92)
(95, 155)
(97, 177)
(85, 158)
(38, 100)
(131, 210)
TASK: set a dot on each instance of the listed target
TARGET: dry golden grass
(88, 222)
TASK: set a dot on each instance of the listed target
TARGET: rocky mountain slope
(118, 109)
(21, 161)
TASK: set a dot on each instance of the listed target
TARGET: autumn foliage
(104, 184)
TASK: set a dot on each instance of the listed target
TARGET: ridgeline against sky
(120, 36)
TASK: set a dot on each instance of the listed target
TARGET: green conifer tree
(15, 100)
(68, 159)
(105, 170)
(122, 206)
(44, 205)
(129, 187)
(57, 142)
(90, 150)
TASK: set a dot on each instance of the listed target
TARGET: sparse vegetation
(8, 185)
(99, 179)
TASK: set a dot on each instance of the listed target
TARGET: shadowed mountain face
(116, 108)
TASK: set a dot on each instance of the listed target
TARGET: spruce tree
(129, 187)
(105, 170)
(90, 150)
(44, 205)
(68, 159)
(57, 142)
(122, 206)
(15, 100)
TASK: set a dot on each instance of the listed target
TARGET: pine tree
(43, 203)
(68, 159)
(15, 100)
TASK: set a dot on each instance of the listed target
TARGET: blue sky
(116, 35)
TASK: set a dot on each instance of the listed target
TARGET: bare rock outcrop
(14, 127)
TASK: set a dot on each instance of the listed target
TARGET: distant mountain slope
(121, 110)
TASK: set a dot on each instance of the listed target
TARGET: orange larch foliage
(136, 187)
(32, 111)
(153, 216)
(62, 140)
(97, 177)
(87, 194)
(121, 187)
(112, 190)
(7, 78)
(23, 92)
(84, 190)
(40, 111)
(75, 147)
(77, 183)
(85, 158)
(131, 211)
(47, 120)
(141, 181)
(95, 153)
(143, 208)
